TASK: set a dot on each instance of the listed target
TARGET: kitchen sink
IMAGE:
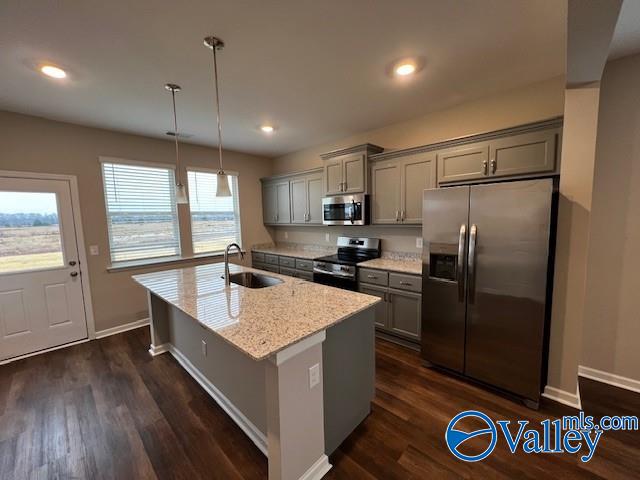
(253, 280)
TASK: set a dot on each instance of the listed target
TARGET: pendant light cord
(175, 133)
(215, 76)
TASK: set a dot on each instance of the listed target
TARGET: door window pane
(29, 232)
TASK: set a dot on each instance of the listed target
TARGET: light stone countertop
(294, 252)
(413, 267)
(259, 322)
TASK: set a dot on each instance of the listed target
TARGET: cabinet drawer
(271, 259)
(374, 277)
(288, 262)
(304, 264)
(411, 283)
(288, 271)
(304, 275)
(259, 265)
(272, 268)
(257, 256)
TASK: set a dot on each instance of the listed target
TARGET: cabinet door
(418, 174)
(533, 152)
(405, 313)
(283, 206)
(298, 187)
(353, 174)
(269, 203)
(385, 190)
(314, 199)
(382, 308)
(333, 176)
(466, 162)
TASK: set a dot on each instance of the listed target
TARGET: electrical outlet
(94, 250)
(204, 348)
(314, 375)
(327, 237)
(418, 242)
(286, 235)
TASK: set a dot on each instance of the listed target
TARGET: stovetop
(349, 256)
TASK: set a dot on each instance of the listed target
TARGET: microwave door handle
(471, 264)
(462, 240)
(353, 211)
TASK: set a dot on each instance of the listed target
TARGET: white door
(41, 302)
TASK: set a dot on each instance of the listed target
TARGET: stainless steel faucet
(227, 280)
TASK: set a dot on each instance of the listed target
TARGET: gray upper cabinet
(463, 163)
(275, 203)
(516, 155)
(385, 192)
(333, 176)
(418, 173)
(533, 152)
(306, 199)
(397, 185)
(345, 174)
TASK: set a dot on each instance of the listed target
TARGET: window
(215, 221)
(142, 216)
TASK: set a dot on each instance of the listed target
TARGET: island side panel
(348, 357)
(239, 378)
(158, 324)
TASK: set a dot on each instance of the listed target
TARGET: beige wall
(531, 103)
(612, 310)
(33, 144)
(576, 183)
(528, 104)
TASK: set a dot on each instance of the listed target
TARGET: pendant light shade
(181, 192)
(222, 189)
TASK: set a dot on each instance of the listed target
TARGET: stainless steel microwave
(346, 210)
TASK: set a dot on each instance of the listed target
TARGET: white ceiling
(315, 69)
(626, 38)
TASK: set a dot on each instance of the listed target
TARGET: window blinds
(215, 221)
(141, 211)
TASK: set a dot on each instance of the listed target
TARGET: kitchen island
(293, 364)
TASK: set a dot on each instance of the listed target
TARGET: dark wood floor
(106, 409)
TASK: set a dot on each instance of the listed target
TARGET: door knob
(72, 263)
(74, 274)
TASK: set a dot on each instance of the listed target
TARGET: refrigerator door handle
(471, 264)
(462, 240)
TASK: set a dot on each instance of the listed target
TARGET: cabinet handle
(402, 216)
(493, 165)
(397, 215)
(374, 277)
(407, 284)
(344, 186)
(485, 166)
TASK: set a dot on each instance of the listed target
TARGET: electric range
(340, 270)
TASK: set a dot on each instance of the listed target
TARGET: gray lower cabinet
(405, 313)
(400, 312)
(284, 265)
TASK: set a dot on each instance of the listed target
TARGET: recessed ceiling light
(405, 68)
(53, 72)
(267, 128)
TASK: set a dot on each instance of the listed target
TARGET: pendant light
(181, 192)
(222, 184)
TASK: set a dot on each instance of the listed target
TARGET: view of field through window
(29, 232)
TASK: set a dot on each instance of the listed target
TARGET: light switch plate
(286, 235)
(314, 375)
(418, 242)
(204, 348)
(327, 237)
(94, 250)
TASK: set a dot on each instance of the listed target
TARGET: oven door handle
(333, 274)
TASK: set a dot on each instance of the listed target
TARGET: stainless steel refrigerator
(487, 274)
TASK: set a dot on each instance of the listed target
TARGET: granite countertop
(259, 322)
(411, 266)
(294, 252)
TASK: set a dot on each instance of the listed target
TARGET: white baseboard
(318, 470)
(609, 378)
(156, 350)
(40, 352)
(122, 328)
(562, 396)
(236, 415)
